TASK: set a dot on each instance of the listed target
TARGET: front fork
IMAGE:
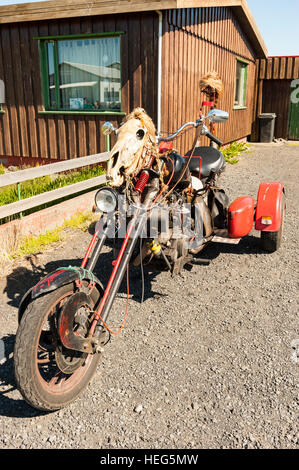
(92, 254)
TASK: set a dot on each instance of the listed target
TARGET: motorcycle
(170, 204)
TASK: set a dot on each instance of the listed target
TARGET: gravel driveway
(207, 361)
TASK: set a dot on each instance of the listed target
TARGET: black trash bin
(267, 125)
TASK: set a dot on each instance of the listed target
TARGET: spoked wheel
(271, 241)
(48, 375)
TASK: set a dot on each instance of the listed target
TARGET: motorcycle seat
(212, 160)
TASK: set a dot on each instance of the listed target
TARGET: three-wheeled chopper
(159, 207)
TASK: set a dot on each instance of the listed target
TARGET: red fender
(268, 207)
(240, 217)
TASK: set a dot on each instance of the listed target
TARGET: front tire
(42, 384)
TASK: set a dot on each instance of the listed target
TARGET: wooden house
(69, 66)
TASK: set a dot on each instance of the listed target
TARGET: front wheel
(48, 375)
(271, 241)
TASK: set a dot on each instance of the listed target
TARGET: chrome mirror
(217, 115)
(108, 128)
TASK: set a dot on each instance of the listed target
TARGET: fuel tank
(176, 162)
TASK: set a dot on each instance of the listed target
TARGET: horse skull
(131, 149)
(126, 153)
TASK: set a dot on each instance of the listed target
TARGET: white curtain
(89, 73)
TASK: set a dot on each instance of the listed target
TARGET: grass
(16, 246)
(233, 151)
(31, 245)
(9, 194)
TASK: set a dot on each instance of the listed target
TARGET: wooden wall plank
(19, 90)
(296, 67)
(289, 73)
(5, 134)
(276, 66)
(10, 97)
(269, 67)
(27, 79)
(262, 69)
(282, 72)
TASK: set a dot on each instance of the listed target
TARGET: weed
(16, 246)
(80, 221)
(31, 244)
(234, 150)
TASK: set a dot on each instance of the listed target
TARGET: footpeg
(221, 236)
(201, 261)
(230, 241)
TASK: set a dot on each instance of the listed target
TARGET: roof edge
(58, 9)
(248, 22)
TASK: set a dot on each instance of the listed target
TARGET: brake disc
(70, 338)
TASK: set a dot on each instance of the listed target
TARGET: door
(293, 133)
(276, 99)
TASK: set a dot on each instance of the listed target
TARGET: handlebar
(195, 124)
(214, 138)
(176, 133)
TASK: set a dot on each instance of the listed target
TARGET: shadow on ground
(21, 279)
(12, 408)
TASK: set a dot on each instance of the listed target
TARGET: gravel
(207, 361)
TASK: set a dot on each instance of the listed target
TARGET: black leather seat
(211, 160)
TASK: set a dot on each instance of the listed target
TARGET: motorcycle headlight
(106, 200)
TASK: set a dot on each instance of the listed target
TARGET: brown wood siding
(276, 99)
(274, 77)
(282, 68)
(198, 40)
(25, 132)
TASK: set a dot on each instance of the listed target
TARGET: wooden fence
(18, 177)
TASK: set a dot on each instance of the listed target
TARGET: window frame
(44, 70)
(243, 105)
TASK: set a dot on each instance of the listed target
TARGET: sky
(277, 20)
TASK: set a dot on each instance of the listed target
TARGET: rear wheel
(271, 241)
(48, 375)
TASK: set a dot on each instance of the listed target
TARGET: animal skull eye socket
(140, 134)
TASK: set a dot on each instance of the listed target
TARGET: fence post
(108, 143)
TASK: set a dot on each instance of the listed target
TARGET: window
(81, 73)
(241, 84)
